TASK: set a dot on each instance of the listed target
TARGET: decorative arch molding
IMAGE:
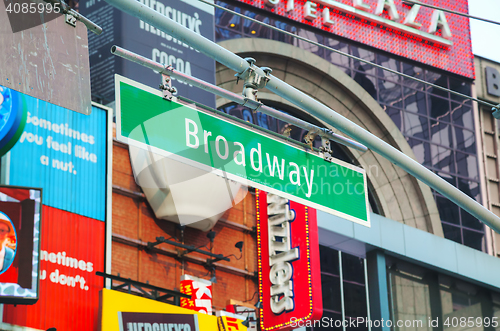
(399, 195)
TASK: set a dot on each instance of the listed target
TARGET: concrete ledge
(411, 244)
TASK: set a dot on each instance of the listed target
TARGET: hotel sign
(289, 267)
(423, 34)
(228, 148)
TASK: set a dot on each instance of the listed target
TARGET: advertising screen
(65, 154)
(20, 219)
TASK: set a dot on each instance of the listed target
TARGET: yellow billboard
(126, 312)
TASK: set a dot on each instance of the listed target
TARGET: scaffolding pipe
(312, 106)
(256, 106)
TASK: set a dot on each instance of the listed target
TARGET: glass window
(458, 85)
(439, 80)
(279, 36)
(441, 134)
(462, 115)
(419, 294)
(365, 55)
(496, 307)
(422, 151)
(342, 273)
(330, 287)
(467, 165)
(329, 260)
(396, 116)
(409, 297)
(465, 140)
(223, 34)
(390, 63)
(413, 71)
(443, 159)
(252, 29)
(308, 46)
(414, 101)
(416, 126)
(461, 301)
(331, 316)
(452, 232)
(474, 239)
(439, 108)
(390, 93)
(448, 211)
(353, 269)
(367, 82)
(337, 58)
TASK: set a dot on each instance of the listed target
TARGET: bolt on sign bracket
(325, 149)
(166, 86)
(70, 19)
(252, 80)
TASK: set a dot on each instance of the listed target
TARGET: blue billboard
(64, 153)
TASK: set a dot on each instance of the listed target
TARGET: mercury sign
(289, 267)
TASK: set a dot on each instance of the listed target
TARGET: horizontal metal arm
(312, 106)
(66, 9)
(188, 248)
(257, 106)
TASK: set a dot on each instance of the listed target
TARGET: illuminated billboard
(419, 33)
(66, 155)
(20, 219)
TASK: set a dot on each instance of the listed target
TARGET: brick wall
(134, 225)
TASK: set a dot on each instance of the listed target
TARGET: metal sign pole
(312, 106)
(252, 104)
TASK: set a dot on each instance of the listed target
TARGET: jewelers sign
(289, 266)
(210, 141)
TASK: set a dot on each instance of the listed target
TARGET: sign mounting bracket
(252, 79)
(166, 85)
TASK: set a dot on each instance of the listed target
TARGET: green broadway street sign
(229, 148)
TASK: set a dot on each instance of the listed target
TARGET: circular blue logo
(13, 115)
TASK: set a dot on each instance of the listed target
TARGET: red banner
(72, 250)
(289, 265)
(200, 291)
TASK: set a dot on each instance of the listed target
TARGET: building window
(344, 285)
(439, 127)
(423, 298)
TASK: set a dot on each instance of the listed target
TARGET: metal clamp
(310, 136)
(254, 105)
(253, 81)
(70, 19)
(326, 149)
(166, 86)
(496, 111)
